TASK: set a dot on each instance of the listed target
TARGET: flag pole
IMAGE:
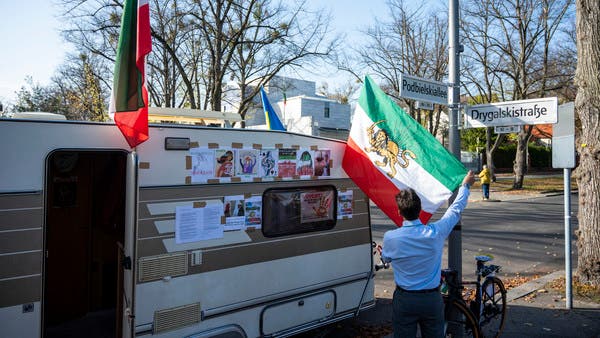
(455, 240)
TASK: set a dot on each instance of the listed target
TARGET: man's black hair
(409, 204)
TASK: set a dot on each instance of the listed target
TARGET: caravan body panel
(235, 282)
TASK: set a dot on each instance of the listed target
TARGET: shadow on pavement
(541, 317)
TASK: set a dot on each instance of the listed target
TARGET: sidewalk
(532, 311)
(500, 196)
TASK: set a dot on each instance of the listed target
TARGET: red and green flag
(129, 99)
(388, 150)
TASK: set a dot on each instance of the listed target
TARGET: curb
(532, 286)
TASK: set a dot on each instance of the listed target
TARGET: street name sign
(523, 112)
(507, 129)
(416, 88)
(424, 105)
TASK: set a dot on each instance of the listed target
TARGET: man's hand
(469, 178)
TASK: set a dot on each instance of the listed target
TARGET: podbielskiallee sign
(534, 111)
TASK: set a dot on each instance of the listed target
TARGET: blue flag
(273, 121)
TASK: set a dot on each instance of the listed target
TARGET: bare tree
(341, 94)
(412, 42)
(481, 81)
(525, 30)
(587, 106)
(277, 36)
(198, 45)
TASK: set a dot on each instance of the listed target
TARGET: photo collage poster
(344, 204)
(267, 163)
(241, 212)
(233, 210)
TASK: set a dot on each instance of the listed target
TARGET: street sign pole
(568, 272)
(455, 240)
(563, 156)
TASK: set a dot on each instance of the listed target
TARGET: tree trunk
(520, 165)
(491, 148)
(587, 107)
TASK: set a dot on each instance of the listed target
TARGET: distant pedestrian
(486, 178)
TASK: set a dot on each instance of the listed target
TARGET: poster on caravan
(246, 164)
(286, 163)
(315, 206)
(304, 163)
(269, 158)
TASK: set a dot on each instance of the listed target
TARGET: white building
(302, 110)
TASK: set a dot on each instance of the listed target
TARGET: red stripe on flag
(374, 183)
(134, 123)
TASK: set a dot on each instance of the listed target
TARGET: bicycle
(483, 316)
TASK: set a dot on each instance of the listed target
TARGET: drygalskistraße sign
(416, 88)
(534, 111)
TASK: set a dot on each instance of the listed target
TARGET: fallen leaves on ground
(583, 290)
(513, 282)
(374, 331)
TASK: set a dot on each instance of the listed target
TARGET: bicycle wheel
(460, 322)
(493, 297)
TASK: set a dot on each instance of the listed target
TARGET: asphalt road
(524, 235)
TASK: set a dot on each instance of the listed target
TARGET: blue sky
(31, 44)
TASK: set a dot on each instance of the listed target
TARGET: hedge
(540, 157)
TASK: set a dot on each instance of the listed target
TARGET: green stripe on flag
(410, 135)
(128, 78)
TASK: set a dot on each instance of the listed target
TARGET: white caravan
(199, 232)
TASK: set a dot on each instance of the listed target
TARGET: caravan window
(289, 211)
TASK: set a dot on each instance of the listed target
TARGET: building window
(326, 110)
(289, 211)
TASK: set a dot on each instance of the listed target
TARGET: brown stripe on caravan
(24, 264)
(147, 228)
(21, 219)
(18, 241)
(19, 291)
(347, 232)
(225, 257)
(151, 247)
(229, 257)
(218, 191)
(21, 211)
(21, 200)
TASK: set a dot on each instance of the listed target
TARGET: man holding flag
(415, 251)
(129, 99)
(408, 174)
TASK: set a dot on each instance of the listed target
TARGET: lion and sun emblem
(382, 145)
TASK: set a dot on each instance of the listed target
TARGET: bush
(540, 157)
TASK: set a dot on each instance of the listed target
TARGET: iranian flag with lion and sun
(387, 150)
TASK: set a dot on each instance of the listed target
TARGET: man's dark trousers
(424, 308)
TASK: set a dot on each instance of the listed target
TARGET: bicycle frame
(478, 308)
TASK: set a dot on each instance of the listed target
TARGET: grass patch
(550, 184)
(581, 291)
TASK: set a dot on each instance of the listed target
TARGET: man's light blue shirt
(415, 250)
